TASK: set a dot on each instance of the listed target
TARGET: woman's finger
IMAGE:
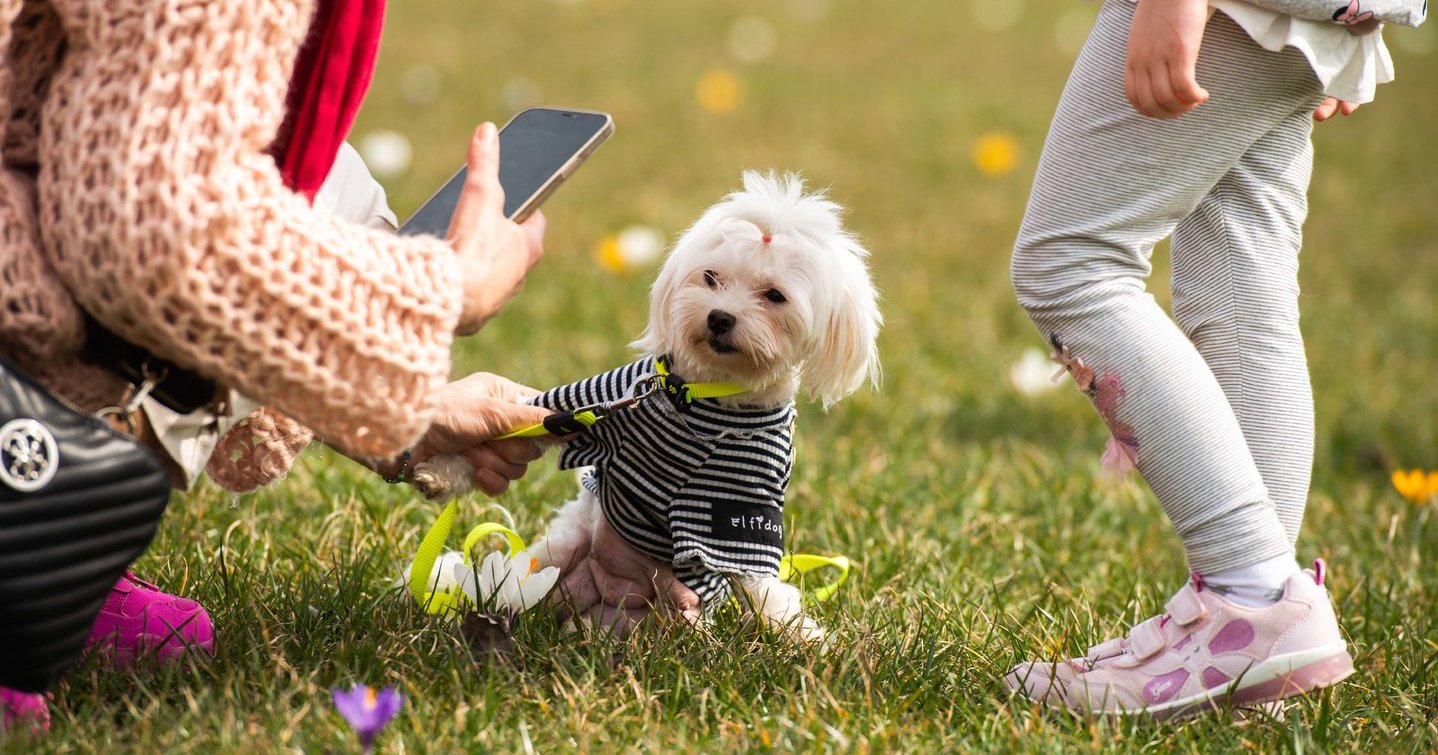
(534, 227)
(507, 389)
(490, 482)
(484, 457)
(507, 416)
(1325, 109)
(484, 167)
(481, 191)
(516, 450)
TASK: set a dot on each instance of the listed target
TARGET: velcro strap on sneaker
(1186, 607)
(1104, 650)
(1147, 640)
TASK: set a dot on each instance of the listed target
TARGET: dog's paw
(442, 477)
(779, 606)
(808, 631)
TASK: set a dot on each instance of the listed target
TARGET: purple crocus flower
(368, 711)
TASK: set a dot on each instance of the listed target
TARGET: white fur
(821, 337)
(443, 477)
(825, 336)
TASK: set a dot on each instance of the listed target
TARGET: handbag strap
(176, 387)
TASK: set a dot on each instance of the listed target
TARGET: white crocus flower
(443, 575)
(1032, 374)
(514, 584)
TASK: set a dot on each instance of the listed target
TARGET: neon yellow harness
(671, 385)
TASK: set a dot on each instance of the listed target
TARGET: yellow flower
(1416, 485)
(629, 250)
(719, 92)
(608, 256)
(996, 154)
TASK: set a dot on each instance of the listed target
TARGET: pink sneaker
(1204, 653)
(139, 620)
(23, 711)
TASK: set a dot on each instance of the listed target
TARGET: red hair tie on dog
(768, 239)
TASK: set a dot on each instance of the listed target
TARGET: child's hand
(1332, 105)
(1162, 53)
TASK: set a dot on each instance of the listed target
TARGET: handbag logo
(28, 455)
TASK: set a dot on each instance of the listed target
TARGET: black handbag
(79, 502)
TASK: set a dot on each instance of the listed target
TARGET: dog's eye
(775, 295)
(711, 279)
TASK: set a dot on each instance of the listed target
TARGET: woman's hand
(472, 411)
(494, 252)
(1163, 44)
(1331, 106)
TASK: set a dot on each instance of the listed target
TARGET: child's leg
(1110, 185)
(1235, 294)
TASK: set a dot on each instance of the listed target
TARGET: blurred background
(926, 119)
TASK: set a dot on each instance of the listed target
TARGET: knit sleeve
(169, 223)
(39, 322)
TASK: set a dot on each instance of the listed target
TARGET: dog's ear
(845, 349)
(658, 333)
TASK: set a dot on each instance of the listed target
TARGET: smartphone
(538, 149)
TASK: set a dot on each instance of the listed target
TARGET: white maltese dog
(682, 488)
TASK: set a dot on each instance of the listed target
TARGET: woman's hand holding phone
(494, 252)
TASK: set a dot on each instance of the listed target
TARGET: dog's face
(767, 289)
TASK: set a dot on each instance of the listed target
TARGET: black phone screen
(533, 147)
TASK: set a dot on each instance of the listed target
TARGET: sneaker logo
(28, 455)
(1161, 688)
(1235, 635)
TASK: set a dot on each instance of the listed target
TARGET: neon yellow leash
(796, 564)
(663, 381)
(792, 565)
(685, 392)
(433, 545)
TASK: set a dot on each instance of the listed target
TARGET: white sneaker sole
(1272, 679)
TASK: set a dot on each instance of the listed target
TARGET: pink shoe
(23, 711)
(139, 620)
(1204, 653)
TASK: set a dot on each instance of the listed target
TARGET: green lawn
(982, 531)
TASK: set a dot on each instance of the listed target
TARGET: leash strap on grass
(796, 564)
(471, 541)
(433, 545)
(429, 550)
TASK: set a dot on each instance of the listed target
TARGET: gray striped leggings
(1215, 403)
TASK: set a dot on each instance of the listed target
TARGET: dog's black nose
(720, 322)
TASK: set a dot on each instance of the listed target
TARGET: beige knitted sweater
(136, 186)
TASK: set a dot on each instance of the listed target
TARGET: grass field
(982, 531)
